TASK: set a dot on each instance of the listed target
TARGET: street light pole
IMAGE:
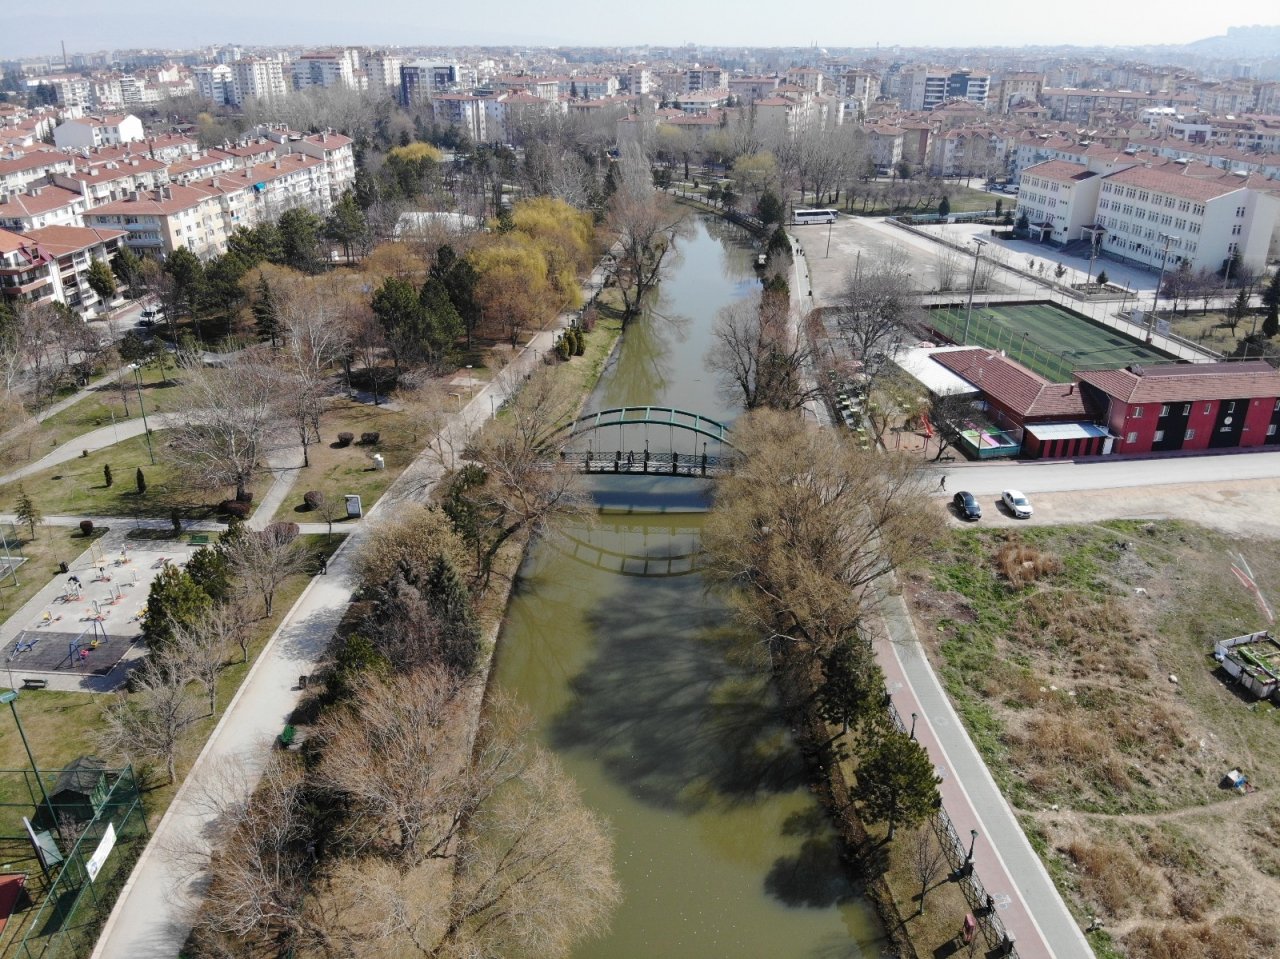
(913, 725)
(973, 281)
(10, 696)
(146, 430)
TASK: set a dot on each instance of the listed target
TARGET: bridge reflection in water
(652, 547)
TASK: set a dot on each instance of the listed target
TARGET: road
(152, 917)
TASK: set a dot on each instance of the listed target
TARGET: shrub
(236, 508)
(312, 499)
(344, 439)
(370, 439)
(1102, 278)
(86, 527)
(579, 343)
(590, 316)
(281, 532)
(245, 497)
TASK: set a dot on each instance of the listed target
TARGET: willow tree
(808, 527)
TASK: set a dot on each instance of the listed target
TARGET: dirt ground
(1079, 658)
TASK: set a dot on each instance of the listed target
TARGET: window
(1235, 230)
(1159, 436)
(1137, 412)
(1231, 407)
(1207, 408)
(1271, 429)
(1164, 410)
(1189, 435)
(1186, 408)
(1132, 438)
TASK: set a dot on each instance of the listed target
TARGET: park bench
(33, 683)
(287, 736)
(200, 539)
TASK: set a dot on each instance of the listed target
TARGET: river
(656, 703)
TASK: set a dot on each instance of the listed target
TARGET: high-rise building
(258, 79)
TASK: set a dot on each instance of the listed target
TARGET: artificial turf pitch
(1044, 338)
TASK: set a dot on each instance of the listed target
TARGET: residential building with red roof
(94, 131)
(42, 205)
(71, 250)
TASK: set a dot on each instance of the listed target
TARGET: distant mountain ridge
(1250, 41)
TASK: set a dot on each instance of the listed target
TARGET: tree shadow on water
(668, 709)
(816, 875)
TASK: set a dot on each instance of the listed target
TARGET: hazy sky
(88, 25)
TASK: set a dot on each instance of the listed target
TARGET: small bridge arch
(622, 417)
(633, 453)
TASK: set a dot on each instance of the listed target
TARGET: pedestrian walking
(942, 483)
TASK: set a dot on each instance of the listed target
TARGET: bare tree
(875, 314)
(517, 482)
(806, 528)
(316, 335)
(147, 725)
(948, 413)
(645, 224)
(199, 650)
(928, 861)
(758, 358)
(232, 420)
(263, 560)
(260, 871)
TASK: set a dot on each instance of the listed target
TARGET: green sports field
(1044, 337)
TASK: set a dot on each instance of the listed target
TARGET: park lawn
(338, 471)
(76, 487)
(1212, 330)
(600, 342)
(963, 200)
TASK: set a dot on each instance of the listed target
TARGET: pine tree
(944, 207)
(897, 783)
(141, 481)
(106, 475)
(27, 511)
(852, 686)
(265, 312)
(175, 600)
(449, 598)
(101, 280)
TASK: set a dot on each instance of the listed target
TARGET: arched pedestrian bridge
(648, 440)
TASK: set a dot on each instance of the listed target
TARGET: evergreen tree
(770, 209)
(779, 245)
(300, 232)
(460, 279)
(101, 280)
(223, 288)
(27, 511)
(1101, 278)
(141, 482)
(126, 265)
(443, 322)
(396, 305)
(209, 568)
(265, 311)
(1271, 298)
(107, 478)
(944, 207)
(347, 224)
(188, 277)
(852, 688)
(175, 600)
(447, 595)
(897, 784)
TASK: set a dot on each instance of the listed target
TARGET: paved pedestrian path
(152, 917)
(92, 441)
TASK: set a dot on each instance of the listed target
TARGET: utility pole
(1155, 303)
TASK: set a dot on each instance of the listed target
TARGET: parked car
(967, 505)
(151, 315)
(1017, 503)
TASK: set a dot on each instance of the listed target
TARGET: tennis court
(1044, 337)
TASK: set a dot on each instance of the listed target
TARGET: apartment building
(885, 142)
(1085, 106)
(1015, 89)
(1059, 199)
(328, 68)
(97, 131)
(215, 82)
(594, 87)
(258, 79)
(806, 78)
(924, 88)
(41, 205)
(158, 222)
(636, 80)
(19, 169)
(698, 78)
(422, 79)
(856, 89)
(383, 72)
(70, 251)
(749, 89)
(462, 110)
(26, 274)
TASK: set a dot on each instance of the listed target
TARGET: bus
(813, 216)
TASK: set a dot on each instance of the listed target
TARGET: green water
(657, 705)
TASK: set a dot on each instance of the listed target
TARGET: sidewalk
(92, 441)
(152, 917)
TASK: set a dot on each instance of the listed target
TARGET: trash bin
(378, 462)
(63, 568)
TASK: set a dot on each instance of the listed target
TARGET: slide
(928, 427)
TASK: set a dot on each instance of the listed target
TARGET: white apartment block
(328, 68)
(215, 82)
(748, 89)
(422, 79)
(158, 222)
(53, 264)
(806, 78)
(1059, 199)
(19, 169)
(383, 72)
(258, 79)
(1083, 105)
(97, 131)
(461, 110)
(73, 90)
(594, 88)
(698, 78)
(41, 205)
(924, 88)
(636, 79)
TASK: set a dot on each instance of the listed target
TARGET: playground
(1044, 337)
(87, 619)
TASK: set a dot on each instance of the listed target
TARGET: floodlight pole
(973, 280)
(10, 696)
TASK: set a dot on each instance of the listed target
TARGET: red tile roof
(1175, 181)
(60, 240)
(49, 198)
(1187, 382)
(1014, 386)
(1060, 170)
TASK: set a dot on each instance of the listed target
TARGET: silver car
(1017, 503)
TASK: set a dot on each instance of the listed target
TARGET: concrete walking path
(153, 915)
(92, 441)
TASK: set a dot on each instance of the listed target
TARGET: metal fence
(105, 835)
(982, 905)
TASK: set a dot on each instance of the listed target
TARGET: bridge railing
(646, 462)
